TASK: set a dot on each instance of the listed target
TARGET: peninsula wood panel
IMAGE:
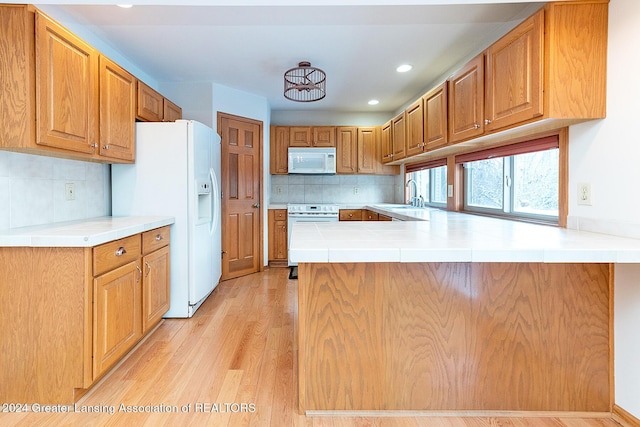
(454, 336)
(47, 354)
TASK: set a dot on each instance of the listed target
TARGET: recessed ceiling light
(374, 102)
(125, 6)
(404, 68)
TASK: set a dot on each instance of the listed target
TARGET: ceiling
(248, 45)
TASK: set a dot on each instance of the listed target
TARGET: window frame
(430, 166)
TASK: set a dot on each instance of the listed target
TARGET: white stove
(310, 212)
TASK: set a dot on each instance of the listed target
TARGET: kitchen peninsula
(455, 313)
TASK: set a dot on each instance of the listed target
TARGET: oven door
(303, 218)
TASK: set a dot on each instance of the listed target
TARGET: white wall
(606, 154)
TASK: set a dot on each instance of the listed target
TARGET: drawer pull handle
(159, 237)
(121, 251)
(148, 268)
(140, 275)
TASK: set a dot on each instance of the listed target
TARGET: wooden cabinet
(347, 150)
(368, 215)
(66, 89)
(117, 320)
(279, 144)
(414, 141)
(514, 75)
(87, 309)
(386, 142)
(370, 153)
(153, 107)
(117, 111)
(156, 281)
(398, 135)
(466, 101)
(278, 237)
(350, 215)
(308, 136)
(435, 117)
(382, 217)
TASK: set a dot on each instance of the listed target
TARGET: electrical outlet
(70, 191)
(279, 189)
(355, 190)
(449, 190)
(584, 193)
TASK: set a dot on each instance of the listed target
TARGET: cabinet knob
(105, 147)
(476, 126)
(487, 121)
(121, 251)
(159, 237)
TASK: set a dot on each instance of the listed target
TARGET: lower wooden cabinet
(350, 215)
(76, 312)
(278, 238)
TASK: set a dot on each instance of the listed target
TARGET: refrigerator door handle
(215, 202)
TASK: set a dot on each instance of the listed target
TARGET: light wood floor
(239, 353)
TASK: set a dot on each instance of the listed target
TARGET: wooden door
(116, 315)
(300, 136)
(466, 101)
(117, 111)
(156, 283)
(241, 195)
(368, 142)
(347, 150)
(514, 73)
(324, 136)
(150, 104)
(435, 117)
(171, 111)
(414, 143)
(66, 89)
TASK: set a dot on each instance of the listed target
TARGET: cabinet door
(398, 134)
(347, 150)
(514, 71)
(155, 287)
(117, 111)
(414, 143)
(116, 315)
(66, 89)
(350, 214)
(300, 136)
(171, 112)
(368, 215)
(435, 117)
(279, 153)
(387, 143)
(324, 136)
(278, 235)
(466, 101)
(368, 149)
(150, 104)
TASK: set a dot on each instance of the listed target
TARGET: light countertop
(81, 233)
(443, 236)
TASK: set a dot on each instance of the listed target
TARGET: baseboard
(625, 418)
(461, 414)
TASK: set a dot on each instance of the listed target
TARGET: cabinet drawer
(114, 254)
(155, 239)
(350, 214)
(280, 214)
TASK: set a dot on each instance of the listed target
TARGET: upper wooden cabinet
(153, 107)
(308, 136)
(435, 104)
(347, 150)
(514, 71)
(386, 142)
(414, 142)
(66, 89)
(466, 101)
(398, 135)
(117, 111)
(279, 144)
(370, 153)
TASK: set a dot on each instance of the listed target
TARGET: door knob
(256, 205)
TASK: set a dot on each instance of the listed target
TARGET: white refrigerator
(177, 173)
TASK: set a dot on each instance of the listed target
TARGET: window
(516, 181)
(431, 182)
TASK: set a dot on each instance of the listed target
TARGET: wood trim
(624, 417)
(563, 177)
(612, 365)
(532, 145)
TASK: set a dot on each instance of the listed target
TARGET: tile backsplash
(32, 190)
(342, 189)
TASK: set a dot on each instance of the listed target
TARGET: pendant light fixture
(305, 83)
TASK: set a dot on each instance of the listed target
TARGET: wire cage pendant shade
(305, 83)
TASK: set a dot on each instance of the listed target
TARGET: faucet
(414, 198)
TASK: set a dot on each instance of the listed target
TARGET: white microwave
(312, 160)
